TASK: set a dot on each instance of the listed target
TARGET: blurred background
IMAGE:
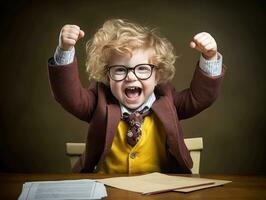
(34, 127)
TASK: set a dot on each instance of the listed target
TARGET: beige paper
(156, 183)
(216, 183)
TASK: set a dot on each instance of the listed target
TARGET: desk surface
(242, 187)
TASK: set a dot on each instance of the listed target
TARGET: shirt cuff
(62, 57)
(211, 67)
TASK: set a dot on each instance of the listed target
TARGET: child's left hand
(205, 44)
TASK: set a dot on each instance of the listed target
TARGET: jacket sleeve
(202, 92)
(68, 91)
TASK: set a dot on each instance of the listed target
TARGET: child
(132, 109)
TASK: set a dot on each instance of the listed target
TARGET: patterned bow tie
(134, 121)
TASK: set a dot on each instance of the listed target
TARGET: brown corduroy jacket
(97, 106)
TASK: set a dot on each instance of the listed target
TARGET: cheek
(115, 88)
(149, 86)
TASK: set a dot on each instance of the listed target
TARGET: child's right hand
(69, 35)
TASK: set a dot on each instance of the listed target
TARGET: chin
(132, 106)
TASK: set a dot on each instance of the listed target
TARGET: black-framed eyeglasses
(120, 72)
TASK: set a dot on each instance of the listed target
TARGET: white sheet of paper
(68, 189)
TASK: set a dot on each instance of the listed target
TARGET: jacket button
(133, 155)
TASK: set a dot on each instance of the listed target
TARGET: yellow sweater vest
(148, 155)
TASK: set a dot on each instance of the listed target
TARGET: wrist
(65, 48)
(210, 58)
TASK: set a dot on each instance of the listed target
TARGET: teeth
(132, 88)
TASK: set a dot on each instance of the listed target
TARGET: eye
(118, 70)
(143, 68)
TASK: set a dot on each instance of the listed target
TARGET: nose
(130, 75)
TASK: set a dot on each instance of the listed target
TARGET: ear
(157, 76)
(106, 80)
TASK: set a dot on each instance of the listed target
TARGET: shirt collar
(147, 103)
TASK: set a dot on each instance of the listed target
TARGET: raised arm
(206, 81)
(64, 76)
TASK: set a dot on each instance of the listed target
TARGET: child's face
(133, 92)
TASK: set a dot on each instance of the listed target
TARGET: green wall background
(34, 128)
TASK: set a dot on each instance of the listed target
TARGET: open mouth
(133, 92)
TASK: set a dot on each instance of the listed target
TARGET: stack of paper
(156, 183)
(194, 188)
(68, 189)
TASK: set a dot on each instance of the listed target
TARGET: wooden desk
(242, 187)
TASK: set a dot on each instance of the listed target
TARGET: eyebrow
(130, 66)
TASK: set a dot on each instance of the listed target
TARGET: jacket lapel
(113, 118)
(166, 113)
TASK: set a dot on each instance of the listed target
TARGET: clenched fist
(69, 35)
(205, 44)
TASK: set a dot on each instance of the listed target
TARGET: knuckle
(76, 27)
(65, 27)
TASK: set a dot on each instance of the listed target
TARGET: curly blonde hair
(123, 37)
